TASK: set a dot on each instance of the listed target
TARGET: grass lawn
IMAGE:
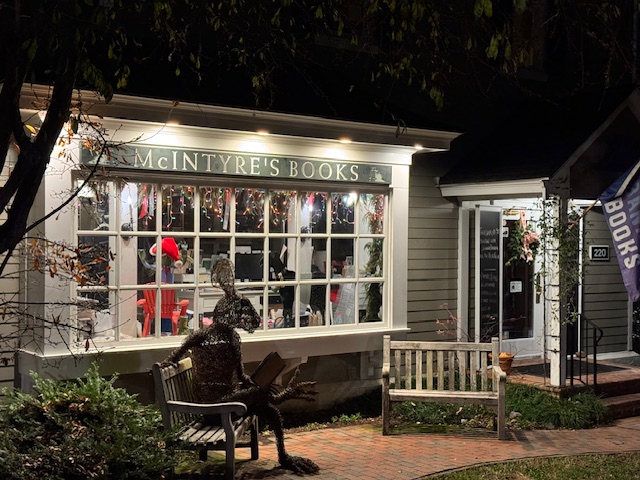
(623, 466)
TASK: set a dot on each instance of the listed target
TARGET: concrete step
(624, 406)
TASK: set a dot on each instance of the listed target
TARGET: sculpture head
(232, 309)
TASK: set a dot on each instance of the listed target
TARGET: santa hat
(169, 248)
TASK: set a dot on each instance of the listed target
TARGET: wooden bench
(180, 412)
(446, 372)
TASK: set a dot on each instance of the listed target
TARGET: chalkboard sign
(490, 270)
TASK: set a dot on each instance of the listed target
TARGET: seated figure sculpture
(218, 372)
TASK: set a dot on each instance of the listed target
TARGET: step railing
(584, 362)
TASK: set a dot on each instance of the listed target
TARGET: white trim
(62, 365)
(249, 120)
(513, 188)
(463, 274)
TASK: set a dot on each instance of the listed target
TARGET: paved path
(362, 453)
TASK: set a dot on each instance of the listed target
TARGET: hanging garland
(524, 242)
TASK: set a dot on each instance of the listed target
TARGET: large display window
(308, 259)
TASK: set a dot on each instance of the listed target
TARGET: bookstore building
(312, 212)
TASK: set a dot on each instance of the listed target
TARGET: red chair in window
(169, 309)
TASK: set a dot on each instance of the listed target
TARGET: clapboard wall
(433, 251)
(605, 299)
(9, 300)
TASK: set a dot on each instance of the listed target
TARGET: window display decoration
(249, 210)
(170, 254)
(214, 202)
(523, 242)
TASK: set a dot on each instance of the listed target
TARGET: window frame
(115, 288)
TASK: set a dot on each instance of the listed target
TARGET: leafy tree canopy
(266, 52)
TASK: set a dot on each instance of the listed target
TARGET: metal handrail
(594, 333)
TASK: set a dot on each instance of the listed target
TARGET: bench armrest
(498, 374)
(237, 408)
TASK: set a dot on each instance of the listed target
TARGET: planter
(504, 360)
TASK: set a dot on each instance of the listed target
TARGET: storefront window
(298, 270)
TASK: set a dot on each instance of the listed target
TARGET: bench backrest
(173, 383)
(444, 366)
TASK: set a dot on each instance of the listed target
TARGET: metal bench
(446, 372)
(181, 412)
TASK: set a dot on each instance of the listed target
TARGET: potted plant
(505, 360)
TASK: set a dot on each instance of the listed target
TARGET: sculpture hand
(293, 390)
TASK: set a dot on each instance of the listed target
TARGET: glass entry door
(522, 303)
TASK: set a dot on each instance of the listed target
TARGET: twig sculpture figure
(219, 374)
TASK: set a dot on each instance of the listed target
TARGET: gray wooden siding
(605, 299)
(433, 253)
(9, 293)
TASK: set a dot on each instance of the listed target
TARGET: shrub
(537, 409)
(583, 410)
(80, 429)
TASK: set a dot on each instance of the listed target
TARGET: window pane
(215, 208)
(249, 260)
(173, 311)
(177, 208)
(313, 212)
(96, 260)
(371, 213)
(342, 212)
(249, 210)
(144, 197)
(211, 250)
(280, 259)
(94, 316)
(96, 202)
(317, 305)
(371, 302)
(282, 212)
(183, 270)
(146, 262)
(342, 257)
(343, 301)
(370, 257)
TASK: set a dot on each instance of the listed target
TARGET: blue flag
(621, 207)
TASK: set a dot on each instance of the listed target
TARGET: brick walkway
(362, 453)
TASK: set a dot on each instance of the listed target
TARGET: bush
(78, 430)
(537, 409)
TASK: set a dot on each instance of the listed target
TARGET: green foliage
(78, 430)
(561, 246)
(536, 407)
(442, 414)
(346, 418)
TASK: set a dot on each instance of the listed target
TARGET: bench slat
(408, 375)
(429, 370)
(440, 364)
(486, 398)
(436, 346)
(419, 369)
